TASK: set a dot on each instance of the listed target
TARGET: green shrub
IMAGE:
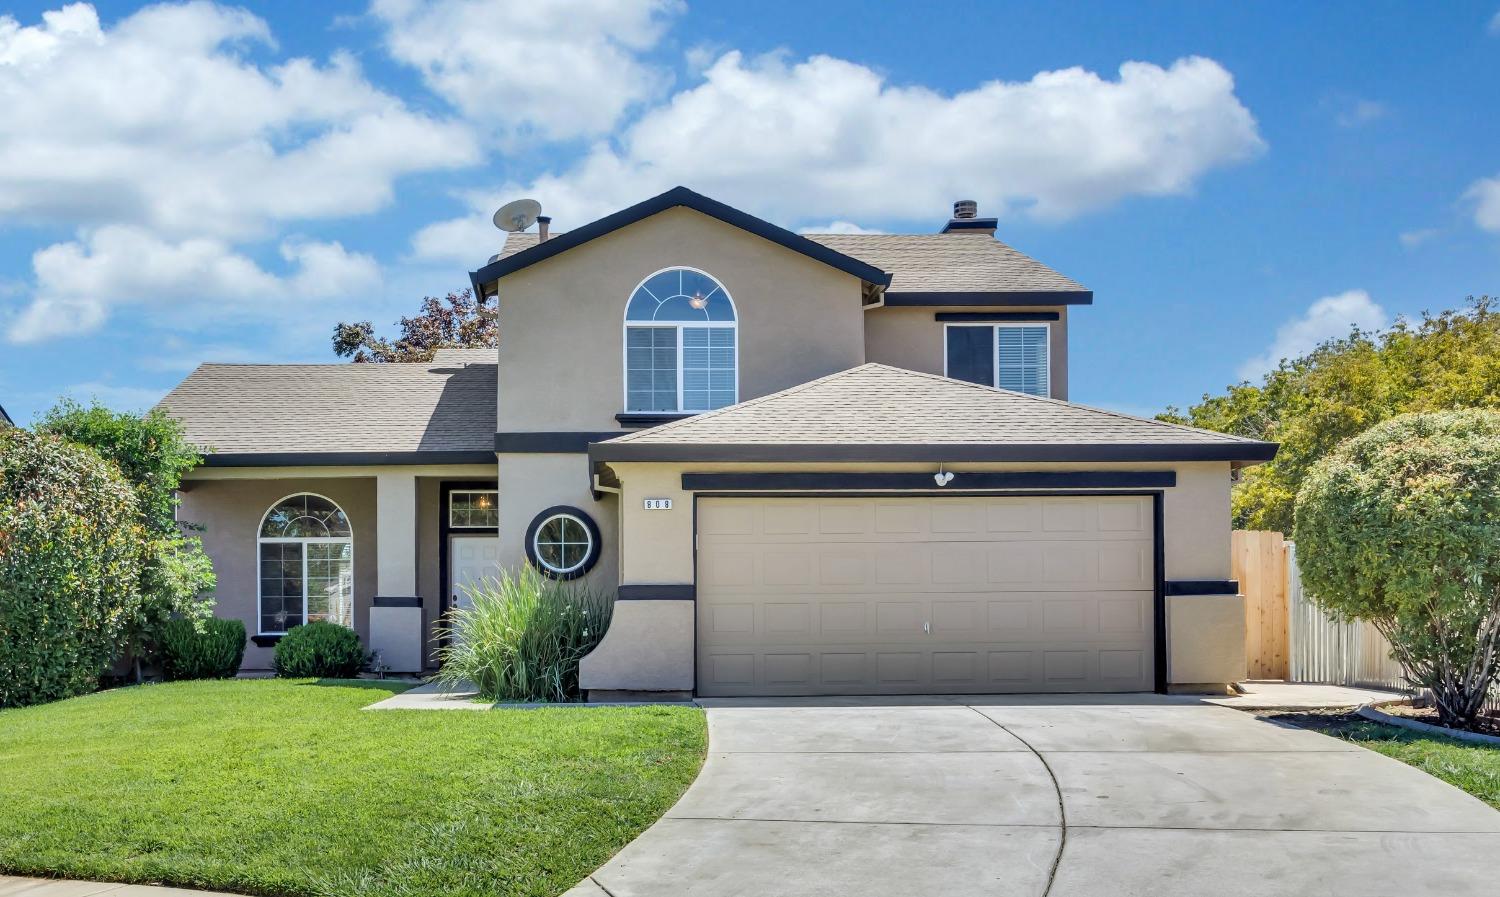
(1400, 526)
(319, 650)
(70, 549)
(206, 649)
(523, 635)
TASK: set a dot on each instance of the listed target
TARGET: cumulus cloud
(162, 120)
(558, 69)
(1355, 111)
(1411, 239)
(1328, 317)
(825, 138)
(79, 282)
(1484, 194)
(839, 227)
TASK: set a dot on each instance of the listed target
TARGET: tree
(70, 548)
(176, 576)
(1344, 387)
(457, 321)
(1400, 526)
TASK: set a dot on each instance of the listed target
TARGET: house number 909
(658, 504)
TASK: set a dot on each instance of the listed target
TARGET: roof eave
(678, 196)
(991, 298)
(346, 459)
(1247, 452)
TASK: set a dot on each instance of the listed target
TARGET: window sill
(267, 639)
(651, 418)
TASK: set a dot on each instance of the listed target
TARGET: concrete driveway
(1063, 796)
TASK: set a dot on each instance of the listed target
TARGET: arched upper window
(680, 347)
(306, 564)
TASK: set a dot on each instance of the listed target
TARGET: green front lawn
(1473, 767)
(284, 787)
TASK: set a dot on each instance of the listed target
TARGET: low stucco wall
(649, 647)
(1205, 641)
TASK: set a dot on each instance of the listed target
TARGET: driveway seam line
(600, 885)
(1062, 811)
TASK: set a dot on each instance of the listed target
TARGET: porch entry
(471, 559)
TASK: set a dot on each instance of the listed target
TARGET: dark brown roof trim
(649, 592)
(981, 317)
(678, 196)
(997, 299)
(1055, 452)
(649, 418)
(924, 482)
(1202, 587)
(344, 459)
(555, 442)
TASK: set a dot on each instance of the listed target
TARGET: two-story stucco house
(830, 464)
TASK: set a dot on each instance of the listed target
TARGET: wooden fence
(1259, 562)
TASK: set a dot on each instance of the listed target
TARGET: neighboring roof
(308, 414)
(677, 196)
(486, 355)
(875, 412)
(5, 418)
(974, 264)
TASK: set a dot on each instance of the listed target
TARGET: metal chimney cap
(966, 208)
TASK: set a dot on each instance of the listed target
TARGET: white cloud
(839, 227)
(79, 282)
(1485, 196)
(162, 120)
(1494, 26)
(558, 69)
(1411, 239)
(1354, 111)
(830, 139)
(1328, 317)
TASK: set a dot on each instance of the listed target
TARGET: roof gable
(677, 196)
(877, 412)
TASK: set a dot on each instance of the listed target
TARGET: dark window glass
(971, 354)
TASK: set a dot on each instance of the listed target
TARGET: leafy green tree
(70, 549)
(1342, 388)
(1400, 526)
(457, 321)
(176, 576)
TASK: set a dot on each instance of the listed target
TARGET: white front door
(470, 560)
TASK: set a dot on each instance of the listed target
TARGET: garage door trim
(1158, 578)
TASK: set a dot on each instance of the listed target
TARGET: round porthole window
(562, 542)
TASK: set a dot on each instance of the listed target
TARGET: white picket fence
(1325, 650)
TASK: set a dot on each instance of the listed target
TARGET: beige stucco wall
(561, 320)
(657, 548)
(230, 512)
(531, 483)
(912, 338)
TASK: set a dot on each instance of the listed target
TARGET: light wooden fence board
(1259, 562)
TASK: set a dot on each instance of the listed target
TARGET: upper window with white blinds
(1010, 356)
(681, 352)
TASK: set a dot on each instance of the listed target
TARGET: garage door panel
(925, 594)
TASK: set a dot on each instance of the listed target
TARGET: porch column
(396, 614)
(395, 535)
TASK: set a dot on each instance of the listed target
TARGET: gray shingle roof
(444, 410)
(926, 263)
(464, 356)
(875, 411)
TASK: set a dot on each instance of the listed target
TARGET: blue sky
(187, 183)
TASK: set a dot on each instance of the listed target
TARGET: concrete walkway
(11, 886)
(1063, 796)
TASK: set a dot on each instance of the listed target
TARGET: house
(5, 420)
(819, 464)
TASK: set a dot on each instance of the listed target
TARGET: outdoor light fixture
(698, 300)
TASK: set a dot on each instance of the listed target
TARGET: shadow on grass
(390, 686)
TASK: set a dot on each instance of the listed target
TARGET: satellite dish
(514, 217)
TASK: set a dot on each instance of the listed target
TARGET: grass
(286, 787)
(1473, 767)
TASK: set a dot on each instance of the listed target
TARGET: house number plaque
(658, 504)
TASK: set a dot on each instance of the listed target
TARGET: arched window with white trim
(306, 564)
(681, 353)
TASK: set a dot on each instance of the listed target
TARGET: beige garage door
(914, 595)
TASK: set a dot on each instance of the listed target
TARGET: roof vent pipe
(966, 208)
(542, 221)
